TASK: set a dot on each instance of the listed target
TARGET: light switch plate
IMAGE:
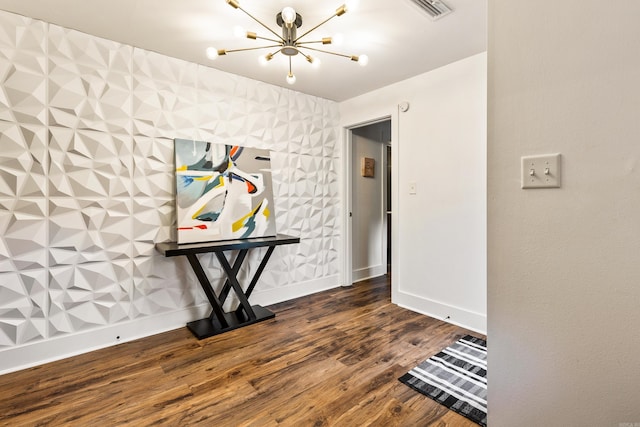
(412, 188)
(541, 171)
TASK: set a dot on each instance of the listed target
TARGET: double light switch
(541, 171)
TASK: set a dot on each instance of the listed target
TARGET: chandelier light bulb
(315, 62)
(363, 60)
(212, 53)
(289, 15)
(351, 5)
(291, 79)
(337, 39)
(239, 32)
(264, 59)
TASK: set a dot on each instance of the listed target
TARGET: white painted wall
(439, 251)
(564, 264)
(368, 203)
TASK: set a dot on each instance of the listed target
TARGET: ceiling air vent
(435, 8)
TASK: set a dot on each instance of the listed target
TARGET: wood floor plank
(328, 359)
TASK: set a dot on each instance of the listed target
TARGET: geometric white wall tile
(277, 273)
(23, 68)
(331, 251)
(315, 218)
(163, 109)
(331, 217)
(330, 146)
(307, 261)
(331, 182)
(298, 137)
(23, 152)
(89, 230)
(153, 222)
(331, 129)
(316, 128)
(164, 68)
(89, 294)
(87, 163)
(153, 168)
(316, 140)
(303, 178)
(240, 111)
(89, 82)
(305, 217)
(283, 223)
(211, 265)
(331, 211)
(279, 174)
(277, 118)
(23, 237)
(164, 96)
(264, 115)
(161, 284)
(281, 189)
(23, 299)
(297, 212)
(218, 104)
(305, 125)
(78, 48)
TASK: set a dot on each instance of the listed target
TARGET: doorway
(370, 176)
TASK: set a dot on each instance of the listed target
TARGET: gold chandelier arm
(325, 40)
(351, 57)
(236, 5)
(307, 57)
(265, 38)
(251, 48)
(340, 11)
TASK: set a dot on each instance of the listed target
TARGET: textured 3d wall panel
(23, 70)
(89, 82)
(23, 158)
(164, 96)
(23, 186)
(87, 178)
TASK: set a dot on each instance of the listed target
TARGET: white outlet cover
(541, 171)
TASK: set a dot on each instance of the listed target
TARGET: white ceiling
(400, 39)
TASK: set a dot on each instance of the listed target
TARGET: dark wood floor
(330, 359)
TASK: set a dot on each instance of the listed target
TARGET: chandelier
(289, 43)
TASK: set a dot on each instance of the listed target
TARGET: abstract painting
(223, 192)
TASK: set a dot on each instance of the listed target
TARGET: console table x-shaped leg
(220, 321)
(245, 314)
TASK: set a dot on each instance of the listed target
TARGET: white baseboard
(369, 272)
(476, 322)
(41, 352)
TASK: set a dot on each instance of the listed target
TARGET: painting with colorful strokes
(223, 192)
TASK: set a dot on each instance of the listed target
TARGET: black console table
(219, 321)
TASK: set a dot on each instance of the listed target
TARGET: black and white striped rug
(456, 378)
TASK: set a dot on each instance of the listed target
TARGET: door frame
(347, 197)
